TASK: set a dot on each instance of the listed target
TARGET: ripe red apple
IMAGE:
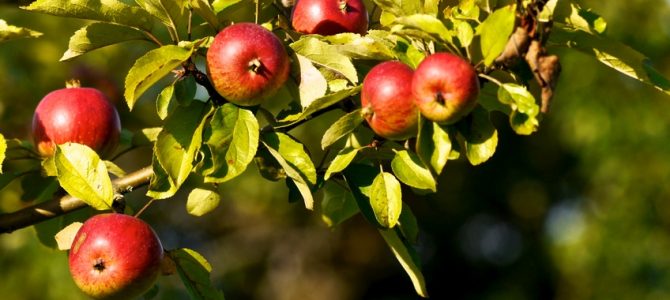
(328, 17)
(77, 115)
(247, 64)
(115, 256)
(387, 101)
(445, 87)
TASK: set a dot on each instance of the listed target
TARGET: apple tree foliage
(205, 141)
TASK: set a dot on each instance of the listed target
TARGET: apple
(387, 101)
(328, 17)
(115, 256)
(445, 87)
(247, 64)
(78, 115)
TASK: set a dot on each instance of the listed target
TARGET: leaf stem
(146, 205)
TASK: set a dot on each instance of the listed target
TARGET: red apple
(387, 101)
(77, 115)
(445, 87)
(247, 64)
(328, 17)
(115, 256)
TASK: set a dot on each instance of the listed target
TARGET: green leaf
(386, 199)
(114, 169)
(194, 271)
(3, 150)
(464, 32)
(84, 175)
(164, 103)
(160, 185)
(433, 145)
(374, 45)
(233, 142)
(312, 83)
(202, 200)
(523, 117)
(495, 31)
(338, 204)
(297, 164)
(547, 13)
(341, 161)
(268, 166)
(341, 128)
(220, 5)
(359, 179)
(586, 20)
(408, 225)
(169, 12)
(146, 136)
(428, 24)
(178, 143)
(611, 53)
(411, 171)
(184, 90)
(203, 9)
(318, 104)
(407, 258)
(325, 55)
(9, 32)
(110, 11)
(150, 68)
(480, 138)
(98, 35)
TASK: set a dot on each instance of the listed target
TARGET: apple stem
(72, 83)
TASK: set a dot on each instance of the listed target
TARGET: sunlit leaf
(233, 142)
(523, 117)
(480, 138)
(428, 24)
(407, 258)
(65, 237)
(386, 199)
(342, 127)
(98, 35)
(318, 104)
(586, 20)
(164, 103)
(202, 200)
(338, 204)
(3, 150)
(494, 32)
(433, 145)
(341, 161)
(84, 175)
(312, 83)
(150, 68)
(205, 10)
(194, 271)
(112, 11)
(10, 32)
(411, 171)
(326, 56)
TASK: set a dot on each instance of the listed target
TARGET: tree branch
(65, 204)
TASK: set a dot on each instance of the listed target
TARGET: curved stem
(65, 204)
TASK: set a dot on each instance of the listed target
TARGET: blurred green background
(579, 210)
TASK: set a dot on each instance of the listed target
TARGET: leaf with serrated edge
(495, 31)
(169, 12)
(65, 237)
(341, 128)
(180, 140)
(164, 103)
(319, 104)
(295, 161)
(428, 24)
(386, 199)
(9, 32)
(405, 255)
(194, 271)
(84, 175)
(150, 68)
(410, 170)
(312, 83)
(341, 161)
(233, 142)
(202, 200)
(112, 11)
(326, 56)
(433, 145)
(98, 35)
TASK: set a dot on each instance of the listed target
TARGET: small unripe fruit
(387, 101)
(328, 17)
(247, 64)
(445, 88)
(115, 256)
(76, 115)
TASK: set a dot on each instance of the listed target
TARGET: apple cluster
(443, 88)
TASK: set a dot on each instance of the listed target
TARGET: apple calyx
(72, 83)
(343, 6)
(99, 265)
(367, 112)
(255, 65)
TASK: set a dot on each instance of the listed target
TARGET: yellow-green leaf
(84, 175)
